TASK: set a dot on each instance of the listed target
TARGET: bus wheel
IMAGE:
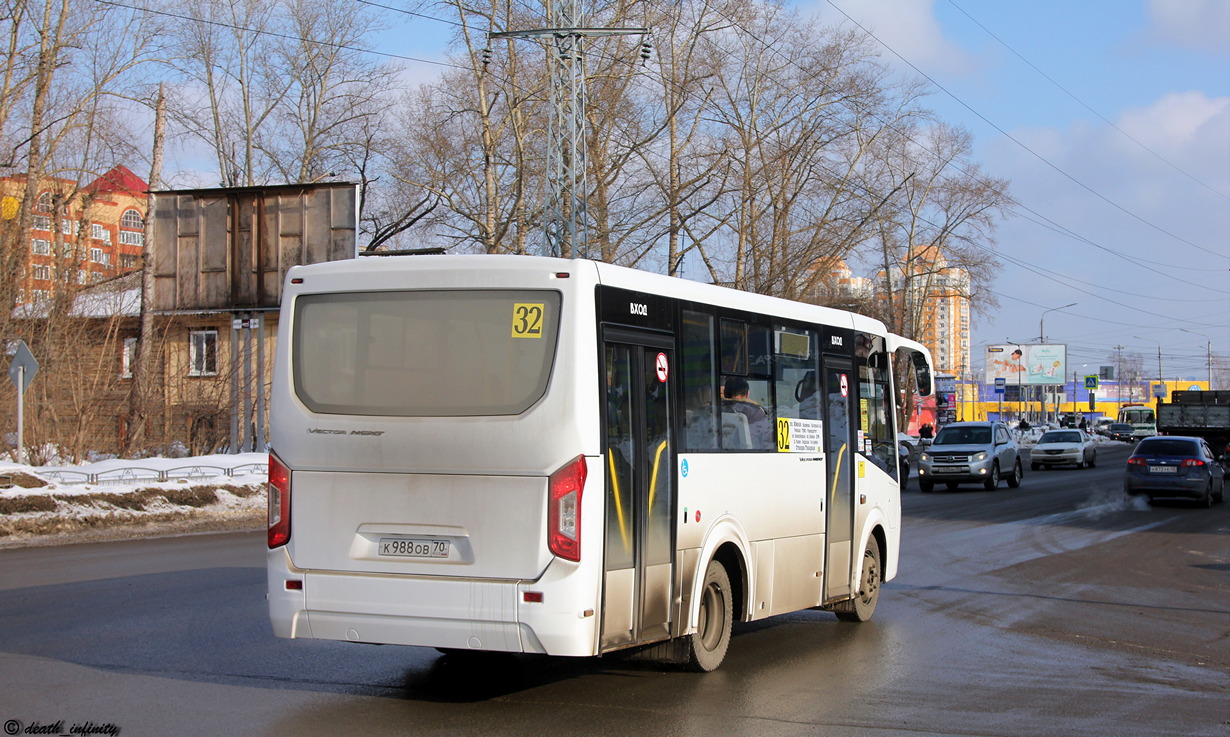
(707, 646)
(863, 605)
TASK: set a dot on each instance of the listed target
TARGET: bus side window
(747, 360)
(747, 415)
(700, 389)
(875, 404)
(798, 392)
(734, 347)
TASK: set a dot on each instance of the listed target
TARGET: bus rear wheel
(863, 605)
(707, 646)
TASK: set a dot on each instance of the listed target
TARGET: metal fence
(131, 474)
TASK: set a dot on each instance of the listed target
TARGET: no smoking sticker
(661, 367)
(845, 386)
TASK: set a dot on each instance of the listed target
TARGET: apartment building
(79, 235)
(934, 291)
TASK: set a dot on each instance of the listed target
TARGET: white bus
(1141, 418)
(535, 455)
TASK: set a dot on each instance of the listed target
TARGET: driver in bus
(735, 398)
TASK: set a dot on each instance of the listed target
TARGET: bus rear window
(424, 353)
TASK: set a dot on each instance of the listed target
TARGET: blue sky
(1111, 120)
(1127, 145)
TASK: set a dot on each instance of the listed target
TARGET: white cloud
(1151, 212)
(1190, 129)
(1187, 130)
(908, 27)
(1200, 25)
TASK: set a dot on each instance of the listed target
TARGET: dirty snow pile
(111, 499)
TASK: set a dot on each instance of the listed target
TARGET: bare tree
(797, 108)
(1130, 371)
(1221, 371)
(335, 95)
(937, 236)
(141, 393)
(474, 141)
(65, 102)
(231, 85)
(686, 168)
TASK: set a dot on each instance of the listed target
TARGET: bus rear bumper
(462, 614)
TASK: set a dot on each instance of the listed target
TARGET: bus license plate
(1163, 469)
(406, 547)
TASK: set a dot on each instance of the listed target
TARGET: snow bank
(50, 505)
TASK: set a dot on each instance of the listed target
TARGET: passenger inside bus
(735, 399)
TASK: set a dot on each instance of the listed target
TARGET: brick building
(79, 235)
(217, 262)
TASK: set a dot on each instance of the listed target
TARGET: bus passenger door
(637, 585)
(839, 451)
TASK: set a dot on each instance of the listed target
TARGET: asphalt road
(1055, 609)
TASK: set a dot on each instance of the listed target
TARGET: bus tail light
(279, 503)
(564, 490)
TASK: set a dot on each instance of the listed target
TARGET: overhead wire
(1056, 227)
(275, 34)
(1019, 262)
(1020, 143)
(1086, 105)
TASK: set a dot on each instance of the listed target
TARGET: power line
(412, 13)
(1056, 227)
(275, 34)
(1037, 271)
(1021, 144)
(1085, 105)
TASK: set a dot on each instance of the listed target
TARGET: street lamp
(1042, 323)
(1042, 339)
(1208, 352)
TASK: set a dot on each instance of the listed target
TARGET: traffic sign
(23, 367)
(1091, 382)
(22, 370)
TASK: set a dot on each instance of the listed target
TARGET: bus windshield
(424, 353)
(1136, 416)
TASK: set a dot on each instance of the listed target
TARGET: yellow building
(980, 402)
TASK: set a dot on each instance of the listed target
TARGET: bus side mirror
(922, 374)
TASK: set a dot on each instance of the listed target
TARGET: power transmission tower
(565, 216)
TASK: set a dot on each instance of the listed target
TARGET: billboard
(229, 248)
(1027, 365)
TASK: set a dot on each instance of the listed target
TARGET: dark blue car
(1175, 467)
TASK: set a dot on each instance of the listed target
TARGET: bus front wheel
(707, 646)
(863, 605)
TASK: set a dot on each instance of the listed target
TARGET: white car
(1067, 447)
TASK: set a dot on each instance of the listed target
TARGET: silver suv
(970, 452)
